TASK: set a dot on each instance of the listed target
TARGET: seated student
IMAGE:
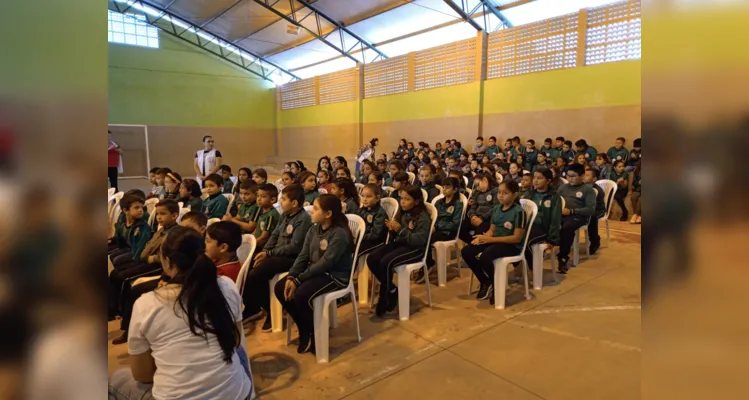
(216, 204)
(516, 149)
(190, 193)
(339, 161)
(635, 188)
(480, 148)
(112, 246)
(322, 266)
(567, 153)
(247, 208)
(602, 165)
(152, 179)
(342, 172)
(462, 182)
(376, 179)
(581, 159)
(515, 172)
(172, 181)
(345, 190)
(439, 150)
(382, 167)
(366, 168)
(559, 146)
(560, 164)
(547, 149)
(580, 203)
(260, 176)
(556, 180)
(394, 166)
(480, 206)
(507, 150)
(374, 217)
(278, 254)
(413, 167)
(411, 150)
(449, 212)
(426, 177)
(492, 149)
(541, 161)
(287, 178)
(158, 183)
(243, 175)
(590, 152)
(589, 178)
(621, 177)
(502, 238)
(526, 183)
(225, 172)
(309, 183)
(635, 155)
(222, 240)
(266, 216)
(120, 281)
(531, 155)
(548, 221)
(439, 166)
(400, 181)
(185, 354)
(195, 220)
(324, 180)
(410, 233)
(618, 152)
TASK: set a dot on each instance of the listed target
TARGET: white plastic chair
(425, 194)
(390, 206)
(180, 204)
(411, 177)
(404, 273)
(229, 197)
(245, 252)
(308, 209)
(114, 212)
(110, 192)
(469, 192)
(609, 190)
(182, 212)
(150, 205)
(439, 187)
(389, 189)
(441, 248)
(324, 306)
(465, 179)
(213, 221)
(499, 177)
(322, 191)
(278, 208)
(276, 310)
(525, 171)
(359, 187)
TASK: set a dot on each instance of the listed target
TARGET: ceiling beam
(464, 14)
(217, 16)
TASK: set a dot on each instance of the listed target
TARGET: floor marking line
(582, 309)
(609, 343)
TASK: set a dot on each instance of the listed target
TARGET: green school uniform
(215, 206)
(432, 192)
(396, 195)
(266, 221)
(448, 215)
(135, 236)
(548, 151)
(506, 221)
(618, 155)
(590, 153)
(310, 197)
(246, 212)
(614, 177)
(549, 215)
(492, 151)
(228, 186)
(351, 206)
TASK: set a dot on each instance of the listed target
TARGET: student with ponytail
(175, 352)
(322, 266)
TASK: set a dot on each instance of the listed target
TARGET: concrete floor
(577, 339)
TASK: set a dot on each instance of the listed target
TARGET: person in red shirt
(113, 161)
(222, 239)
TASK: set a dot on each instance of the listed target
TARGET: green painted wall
(180, 85)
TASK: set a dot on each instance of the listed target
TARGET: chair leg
(429, 292)
(289, 323)
(500, 284)
(356, 316)
(322, 329)
(554, 253)
(587, 244)
(470, 284)
(276, 310)
(459, 259)
(525, 278)
(372, 292)
(363, 282)
(608, 234)
(538, 267)
(441, 253)
(404, 296)
(333, 313)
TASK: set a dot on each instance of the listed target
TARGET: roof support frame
(488, 6)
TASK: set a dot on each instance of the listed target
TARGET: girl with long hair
(323, 164)
(190, 192)
(345, 190)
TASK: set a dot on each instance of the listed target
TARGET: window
(132, 29)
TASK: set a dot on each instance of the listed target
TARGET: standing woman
(207, 161)
(114, 162)
(367, 152)
(186, 337)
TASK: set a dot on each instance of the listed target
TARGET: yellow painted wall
(323, 115)
(446, 102)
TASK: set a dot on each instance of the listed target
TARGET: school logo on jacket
(137, 232)
(579, 195)
(306, 203)
(369, 218)
(488, 197)
(587, 155)
(323, 245)
(289, 229)
(618, 157)
(411, 225)
(450, 209)
(547, 203)
(508, 225)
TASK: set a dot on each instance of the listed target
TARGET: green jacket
(549, 213)
(432, 192)
(483, 204)
(448, 215)
(215, 206)
(288, 237)
(324, 252)
(351, 206)
(374, 219)
(135, 237)
(414, 230)
(310, 197)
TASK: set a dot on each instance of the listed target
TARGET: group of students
(315, 246)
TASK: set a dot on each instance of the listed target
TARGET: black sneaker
(484, 292)
(381, 307)
(392, 302)
(562, 265)
(306, 342)
(594, 248)
(120, 339)
(254, 317)
(267, 325)
(491, 295)
(420, 277)
(624, 217)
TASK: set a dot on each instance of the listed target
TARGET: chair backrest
(182, 212)
(411, 177)
(150, 205)
(213, 221)
(322, 191)
(426, 195)
(110, 192)
(180, 204)
(609, 190)
(439, 187)
(204, 194)
(389, 189)
(525, 171)
(308, 209)
(433, 214)
(245, 252)
(278, 208)
(465, 179)
(229, 197)
(531, 210)
(499, 177)
(390, 205)
(464, 200)
(115, 210)
(359, 187)
(358, 227)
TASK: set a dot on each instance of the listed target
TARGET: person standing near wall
(207, 161)
(367, 152)
(114, 162)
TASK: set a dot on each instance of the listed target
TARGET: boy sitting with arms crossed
(580, 203)
(618, 152)
(216, 204)
(278, 255)
(247, 209)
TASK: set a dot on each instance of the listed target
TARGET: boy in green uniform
(618, 152)
(266, 216)
(590, 178)
(226, 175)
(621, 177)
(492, 149)
(216, 204)
(247, 208)
(548, 221)
(590, 151)
(449, 214)
(547, 149)
(531, 154)
(580, 203)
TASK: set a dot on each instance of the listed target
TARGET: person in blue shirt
(530, 154)
(492, 149)
(618, 152)
(567, 153)
(583, 147)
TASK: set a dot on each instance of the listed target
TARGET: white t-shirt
(187, 367)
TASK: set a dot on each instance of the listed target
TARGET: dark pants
(480, 258)
(466, 228)
(112, 173)
(129, 301)
(570, 223)
(256, 291)
(123, 276)
(300, 306)
(538, 234)
(437, 237)
(370, 246)
(595, 237)
(385, 258)
(620, 195)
